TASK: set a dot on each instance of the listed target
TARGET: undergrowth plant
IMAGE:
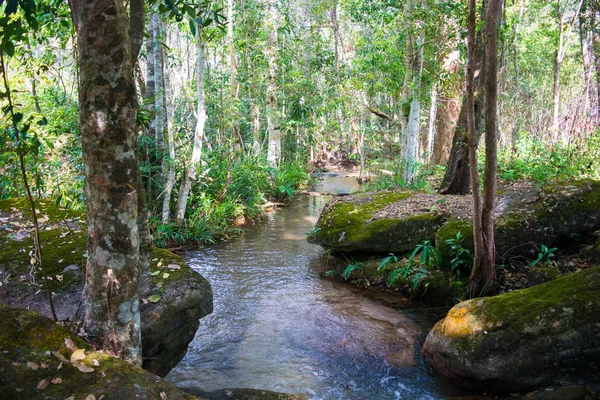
(461, 259)
(544, 256)
(422, 259)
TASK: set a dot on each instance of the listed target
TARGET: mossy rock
(180, 296)
(352, 223)
(449, 231)
(541, 274)
(398, 221)
(521, 340)
(30, 347)
(556, 214)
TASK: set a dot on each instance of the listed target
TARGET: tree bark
(448, 111)
(190, 172)
(107, 111)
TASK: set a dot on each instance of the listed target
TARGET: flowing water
(278, 325)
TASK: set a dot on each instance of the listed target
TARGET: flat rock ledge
(35, 363)
(526, 339)
(174, 296)
(526, 217)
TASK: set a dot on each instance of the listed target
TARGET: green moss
(524, 309)
(347, 225)
(26, 336)
(63, 237)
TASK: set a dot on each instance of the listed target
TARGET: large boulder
(174, 296)
(374, 222)
(517, 341)
(526, 217)
(41, 360)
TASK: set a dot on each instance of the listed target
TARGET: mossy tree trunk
(107, 110)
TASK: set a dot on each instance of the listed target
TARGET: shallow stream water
(278, 325)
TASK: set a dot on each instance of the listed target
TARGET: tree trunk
(107, 111)
(190, 172)
(428, 139)
(160, 113)
(274, 151)
(170, 157)
(482, 281)
(448, 111)
(235, 126)
(150, 103)
(415, 64)
(456, 180)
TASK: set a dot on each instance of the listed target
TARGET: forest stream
(278, 325)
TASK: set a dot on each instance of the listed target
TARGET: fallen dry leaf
(32, 365)
(43, 365)
(59, 366)
(90, 397)
(96, 363)
(70, 344)
(163, 395)
(83, 368)
(56, 381)
(43, 384)
(173, 266)
(77, 355)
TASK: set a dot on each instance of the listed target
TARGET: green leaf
(17, 117)
(155, 273)
(155, 298)
(192, 27)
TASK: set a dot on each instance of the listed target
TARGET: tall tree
(483, 275)
(274, 150)
(108, 112)
(564, 31)
(192, 168)
(456, 179)
(414, 55)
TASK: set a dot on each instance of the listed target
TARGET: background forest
(241, 99)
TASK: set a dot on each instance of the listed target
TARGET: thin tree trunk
(483, 275)
(274, 151)
(428, 142)
(150, 103)
(479, 249)
(170, 157)
(160, 113)
(108, 114)
(415, 64)
(190, 173)
(235, 126)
